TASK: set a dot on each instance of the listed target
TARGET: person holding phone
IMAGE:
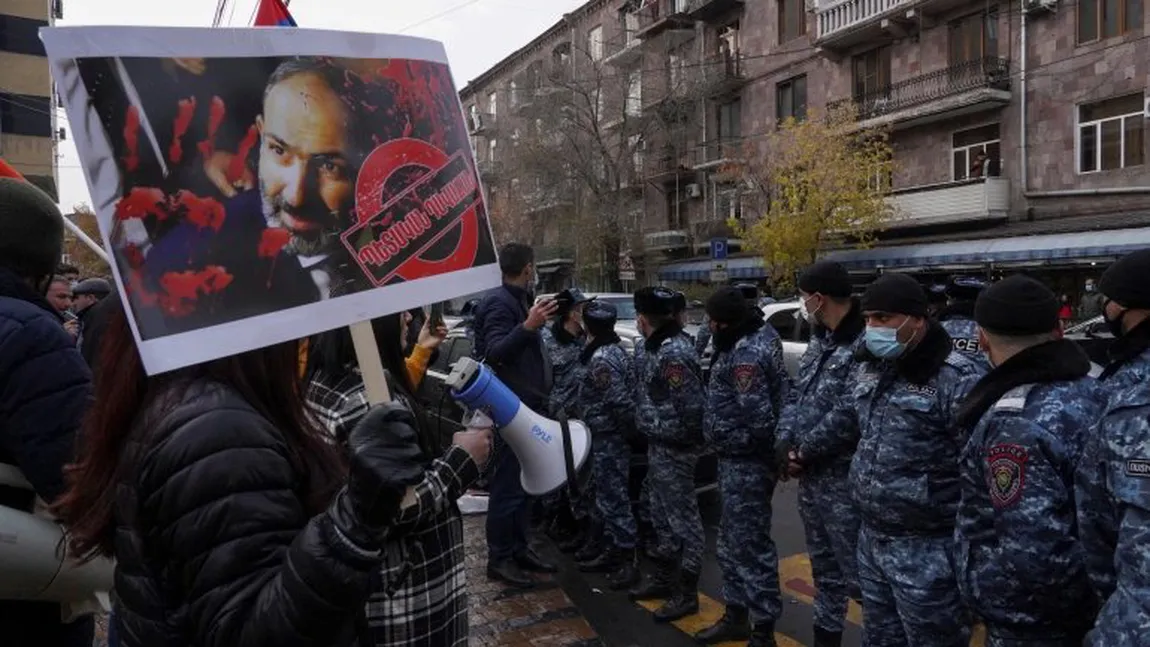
(507, 337)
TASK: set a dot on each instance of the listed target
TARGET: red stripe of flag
(273, 13)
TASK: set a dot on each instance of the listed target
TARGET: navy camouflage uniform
(905, 480)
(567, 373)
(1113, 499)
(1020, 565)
(963, 333)
(748, 387)
(669, 413)
(827, 442)
(606, 403)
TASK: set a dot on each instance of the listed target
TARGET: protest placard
(254, 186)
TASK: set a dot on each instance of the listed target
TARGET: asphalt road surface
(620, 622)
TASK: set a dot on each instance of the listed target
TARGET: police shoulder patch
(601, 376)
(1138, 468)
(744, 376)
(922, 389)
(1007, 473)
(675, 373)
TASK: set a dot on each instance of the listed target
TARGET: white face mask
(805, 312)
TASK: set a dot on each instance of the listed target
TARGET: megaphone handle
(568, 456)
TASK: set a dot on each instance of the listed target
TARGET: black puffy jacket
(213, 545)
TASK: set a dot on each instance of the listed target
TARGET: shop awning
(737, 268)
(1020, 249)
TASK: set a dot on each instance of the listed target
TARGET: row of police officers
(941, 482)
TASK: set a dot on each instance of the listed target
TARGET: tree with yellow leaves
(87, 261)
(819, 181)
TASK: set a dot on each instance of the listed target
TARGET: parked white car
(795, 333)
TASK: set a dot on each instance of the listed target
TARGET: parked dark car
(1094, 337)
(445, 414)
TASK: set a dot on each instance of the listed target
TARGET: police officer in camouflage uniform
(670, 412)
(826, 443)
(748, 387)
(904, 473)
(564, 340)
(1020, 565)
(957, 316)
(607, 408)
(1113, 479)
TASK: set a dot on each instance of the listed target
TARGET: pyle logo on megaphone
(535, 439)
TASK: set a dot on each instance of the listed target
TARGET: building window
(595, 43)
(674, 71)
(973, 38)
(631, 28)
(491, 157)
(1099, 19)
(730, 118)
(792, 20)
(635, 93)
(21, 35)
(1111, 134)
(492, 105)
(870, 74)
(976, 152)
(635, 143)
(22, 114)
(513, 91)
(791, 99)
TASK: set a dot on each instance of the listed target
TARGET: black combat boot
(627, 573)
(763, 635)
(734, 625)
(592, 547)
(658, 584)
(572, 542)
(605, 562)
(827, 638)
(684, 602)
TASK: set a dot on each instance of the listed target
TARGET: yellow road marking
(796, 580)
(710, 611)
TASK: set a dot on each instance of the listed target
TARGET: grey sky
(476, 33)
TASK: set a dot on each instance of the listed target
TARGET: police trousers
(674, 506)
(611, 466)
(746, 552)
(910, 592)
(831, 522)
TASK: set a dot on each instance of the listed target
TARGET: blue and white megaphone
(536, 440)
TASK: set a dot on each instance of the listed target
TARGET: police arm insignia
(1007, 473)
(675, 374)
(744, 376)
(601, 377)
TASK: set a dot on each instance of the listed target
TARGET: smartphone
(435, 317)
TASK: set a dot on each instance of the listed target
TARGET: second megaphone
(536, 440)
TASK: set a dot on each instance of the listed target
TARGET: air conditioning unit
(1041, 6)
(693, 191)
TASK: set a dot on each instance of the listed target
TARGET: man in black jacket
(44, 389)
(507, 337)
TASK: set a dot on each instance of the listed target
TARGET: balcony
(662, 241)
(480, 123)
(707, 10)
(984, 198)
(704, 231)
(627, 52)
(554, 255)
(667, 17)
(724, 75)
(845, 23)
(540, 200)
(666, 167)
(713, 155)
(966, 88)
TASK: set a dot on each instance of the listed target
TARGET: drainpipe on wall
(1022, 148)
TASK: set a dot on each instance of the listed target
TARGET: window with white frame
(634, 93)
(491, 150)
(595, 43)
(674, 71)
(976, 152)
(1111, 134)
(513, 91)
(492, 105)
(635, 143)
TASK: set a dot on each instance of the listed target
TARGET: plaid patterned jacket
(420, 595)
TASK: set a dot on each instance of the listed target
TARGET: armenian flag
(273, 13)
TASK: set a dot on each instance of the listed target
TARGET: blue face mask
(883, 342)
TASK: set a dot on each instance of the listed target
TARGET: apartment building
(28, 128)
(1018, 128)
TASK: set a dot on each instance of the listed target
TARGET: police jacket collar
(922, 362)
(726, 339)
(1127, 347)
(659, 336)
(850, 327)
(595, 344)
(1054, 361)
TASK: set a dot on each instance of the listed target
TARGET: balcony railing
(714, 154)
(711, 9)
(626, 50)
(659, 16)
(840, 16)
(976, 199)
(664, 240)
(480, 122)
(897, 100)
(666, 165)
(724, 74)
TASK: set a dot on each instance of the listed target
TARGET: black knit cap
(654, 301)
(750, 291)
(826, 277)
(1017, 305)
(1126, 281)
(600, 316)
(31, 229)
(728, 306)
(896, 294)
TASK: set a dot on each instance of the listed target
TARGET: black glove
(385, 460)
(782, 452)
